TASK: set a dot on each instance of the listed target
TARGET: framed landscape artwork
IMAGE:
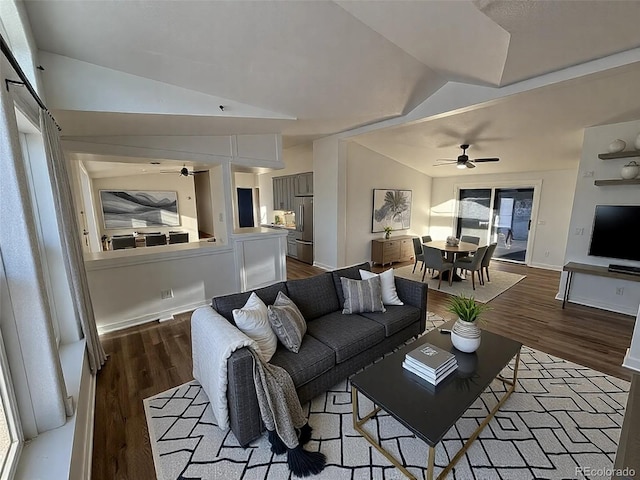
(137, 208)
(391, 208)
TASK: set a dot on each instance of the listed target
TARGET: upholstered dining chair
(433, 259)
(417, 253)
(426, 239)
(470, 239)
(472, 264)
(486, 260)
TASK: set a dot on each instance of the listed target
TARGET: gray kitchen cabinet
(304, 184)
(284, 192)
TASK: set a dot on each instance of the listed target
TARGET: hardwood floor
(149, 359)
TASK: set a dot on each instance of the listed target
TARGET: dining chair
(178, 237)
(426, 239)
(486, 260)
(417, 253)
(151, 240)
(433, 259)
(472, 264)
(470, 239)
(119, 242)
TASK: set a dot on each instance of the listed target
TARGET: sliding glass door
(512, 222)
(501, 215)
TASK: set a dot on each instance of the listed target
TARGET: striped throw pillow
(287, 322)
(362, 295)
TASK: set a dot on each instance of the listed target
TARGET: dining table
(451, 252)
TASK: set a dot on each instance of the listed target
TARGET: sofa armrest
(415, 294)
(244, 413)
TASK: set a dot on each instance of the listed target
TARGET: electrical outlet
(620, 291)
(588, 174)
(546, 253)
(579, 231)
(164, 294)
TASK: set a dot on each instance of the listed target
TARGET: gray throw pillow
(287, 322)
(362, 295)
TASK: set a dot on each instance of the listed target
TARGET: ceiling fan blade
(470, 165)
(199, 171)
(445, 163)
(170, 171)
(492, 159)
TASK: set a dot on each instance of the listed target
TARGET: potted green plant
(465, 334)
(387, 232)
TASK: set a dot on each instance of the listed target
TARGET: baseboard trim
(589, 303)
(546, 266)
(323, 266)
(162, 316)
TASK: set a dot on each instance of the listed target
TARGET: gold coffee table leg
(357, 425)
(431, 462)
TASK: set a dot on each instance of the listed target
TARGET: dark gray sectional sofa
(334, 347)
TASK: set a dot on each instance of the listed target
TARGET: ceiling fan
(464, 161)
(184, 171)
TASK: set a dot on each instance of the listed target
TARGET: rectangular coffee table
(430, 411)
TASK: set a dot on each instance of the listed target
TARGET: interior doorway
(501, 215)
(245, 207)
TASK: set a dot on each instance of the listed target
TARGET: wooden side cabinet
(395, 249)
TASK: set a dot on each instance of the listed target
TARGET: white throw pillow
(389, 294)
(253, 320)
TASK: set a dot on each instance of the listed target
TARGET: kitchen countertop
(280, 226)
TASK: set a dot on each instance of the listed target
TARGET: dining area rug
(500, 283)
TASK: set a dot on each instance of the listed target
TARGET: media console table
(596, 270)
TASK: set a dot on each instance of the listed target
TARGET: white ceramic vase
(465, 336)
(630, 170)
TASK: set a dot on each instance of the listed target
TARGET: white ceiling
(336, 65)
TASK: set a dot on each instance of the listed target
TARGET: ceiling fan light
(461, 166)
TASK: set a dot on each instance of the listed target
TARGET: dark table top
(430, 411)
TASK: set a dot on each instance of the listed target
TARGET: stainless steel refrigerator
(304, 226)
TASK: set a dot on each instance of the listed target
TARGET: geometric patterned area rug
(562, 417)
(500, 283)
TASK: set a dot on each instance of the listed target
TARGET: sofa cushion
(225, 304)
(314, 296)
(362, 295)
(352, 272)
(253, 320)
(346, 335)
(287, 322)
(395, 318)
(313, 359)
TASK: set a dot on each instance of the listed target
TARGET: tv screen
(614, 229)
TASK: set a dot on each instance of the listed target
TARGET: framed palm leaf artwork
(391, 208)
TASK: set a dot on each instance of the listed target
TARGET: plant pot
(630, 170)
(465, 336)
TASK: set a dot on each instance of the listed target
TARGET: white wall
(367, 170)
(184, 187)
(598, 291)
(204, 202)
(298, 159)
(127, 292)
(550, 225)
(329, 204)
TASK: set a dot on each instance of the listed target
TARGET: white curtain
(70, 240)
(31, 347)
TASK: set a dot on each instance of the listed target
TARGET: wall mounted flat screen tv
(614, 232)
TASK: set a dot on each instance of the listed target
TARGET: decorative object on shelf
(453, 241)
(637, 142)
(630, 170)
(391, 208)
(387, 232)
(617, 146)
(465, 334)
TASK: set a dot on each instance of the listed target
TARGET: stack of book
(430, 363)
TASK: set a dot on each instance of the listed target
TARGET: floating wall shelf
(602, 183)
(612, 156)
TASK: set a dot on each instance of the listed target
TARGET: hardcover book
(430, 356)
(427, 378)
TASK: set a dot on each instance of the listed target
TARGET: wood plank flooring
(149, 359)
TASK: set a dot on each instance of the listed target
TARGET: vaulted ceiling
(311, 68)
